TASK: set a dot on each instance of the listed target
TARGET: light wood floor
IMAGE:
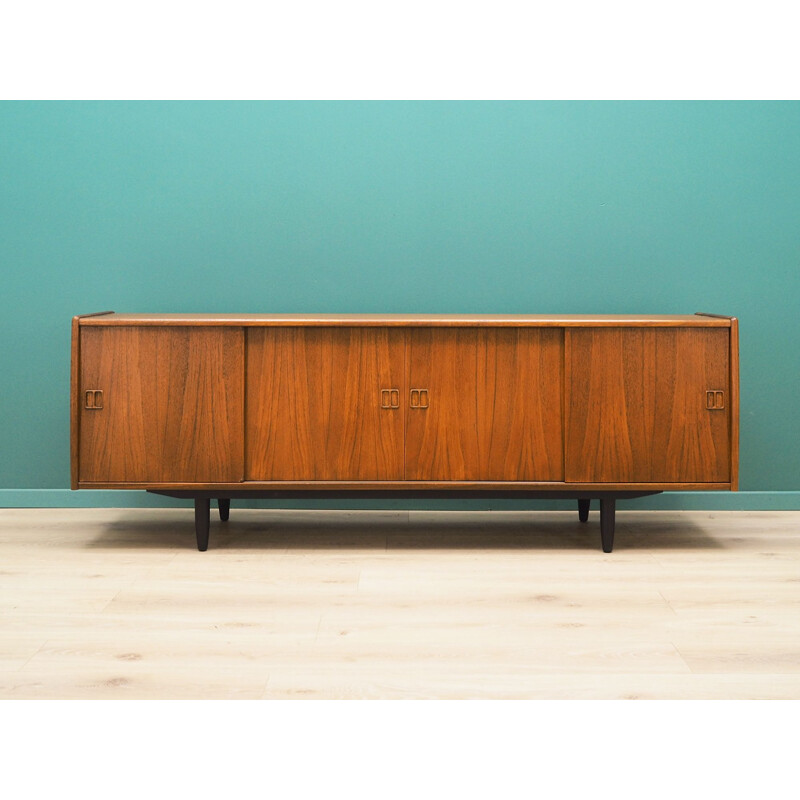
(98, 603)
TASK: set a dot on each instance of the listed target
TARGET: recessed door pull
(93, 399)
(715, 400)
(419, 398)
(390, 398)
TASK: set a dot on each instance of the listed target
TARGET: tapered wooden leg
(202, 520)
(224, 508)
(583, 510)
(607, 509)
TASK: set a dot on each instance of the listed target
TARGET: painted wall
(584, 207)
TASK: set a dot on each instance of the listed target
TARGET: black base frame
(202, 502)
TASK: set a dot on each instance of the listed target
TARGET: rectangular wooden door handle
(715, 400)
(390, 398)
(419, 398)
(93, 399)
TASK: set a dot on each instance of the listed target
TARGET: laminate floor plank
(118, 603)
(448, 683)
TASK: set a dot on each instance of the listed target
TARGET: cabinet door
(325, 404)
(161, 404)
(485, 404)
(639, 408)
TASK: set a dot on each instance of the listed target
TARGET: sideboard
(227, 406)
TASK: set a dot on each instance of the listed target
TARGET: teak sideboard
(218, 406)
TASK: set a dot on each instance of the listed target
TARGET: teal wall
(584, 207)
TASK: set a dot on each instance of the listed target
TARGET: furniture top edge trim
(93, 314)
(410, 320)
(715, 316)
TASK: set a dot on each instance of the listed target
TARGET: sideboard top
(411, 320)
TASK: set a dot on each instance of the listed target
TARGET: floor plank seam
(316, 633)
(33, 655)
(122, 589)
(681, 656)
(669, 605)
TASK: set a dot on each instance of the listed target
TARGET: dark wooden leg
(607, 509)
(202, 520)
(224, 508)
(583, 509)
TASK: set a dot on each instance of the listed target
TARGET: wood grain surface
(116, 604)
(314, 404)
(734, 405)
(498, 388)
(74, 405)
(74, 395)
(636, 405)
(172, 404)
(494, 409)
